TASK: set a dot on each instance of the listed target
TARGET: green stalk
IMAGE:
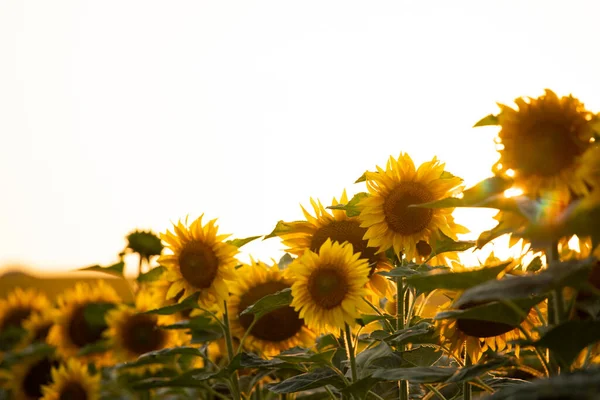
(351, 355)
(556, 305)
(467, 391)
(235, 385)
(400, 304)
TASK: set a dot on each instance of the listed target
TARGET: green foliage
(352, 209)
(483, 194)
(115, 269)
(270, 302)
(187, 304)
(310, 380)
(242, 242)
(151, 276)
(454, 280)
(569, 338)
(487, 120)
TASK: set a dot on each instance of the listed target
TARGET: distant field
(54, 285)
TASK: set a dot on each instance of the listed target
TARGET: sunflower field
(371, 300)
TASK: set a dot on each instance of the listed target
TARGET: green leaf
(360, 388)
(422, 356)
(366, 358)
(421, 333)
(310, 380)
(352, 209)
(568, 339)
(500, 229)
(10, 337)
(153, 275)
(487, 120)
(198, 323)
(189, 303)
(447, 244)
(535, 265)
(579, 385)
(241, 242)
(173, 351)
(492, 312)
(250, 360)
(193, 378)
(305, 356)
(100, 346)
(115, 269)
(561, 274)
(365, 320)
(474, 371)
(454, 280)
(94, 313)
(283, 227)
(398, 272)
(285, 261)
(269, 303)
(416, 374)
(31, 351)
(363, 177)
(474, 196)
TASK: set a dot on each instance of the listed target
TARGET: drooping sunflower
(541, 142)
(201, 261)
(27, 377)
(329, 286)
(337, 226)
(476, 336)
(276, 331)
(386, 214)
(72, 381)
(132, 333)
(18, 305)
(72, 331)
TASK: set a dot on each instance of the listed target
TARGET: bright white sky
(123, 114)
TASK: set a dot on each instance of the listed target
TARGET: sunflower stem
(400, 308)
(467, 390)
(235, 385)
(434, 390)
(555, 303)
(351, 355)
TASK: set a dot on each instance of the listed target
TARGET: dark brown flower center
(544, 140)
(41, 332)
(141, 334)
(276, 326)
(328, 286)
(81, 331)
(345, 231)
(484, 329)
(423, 248)
(73, 391)
(15, 317)
(198, 264)
(37, 376)
(402, 219)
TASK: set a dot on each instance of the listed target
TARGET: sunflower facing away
(337, 226)
(476, 336)
(37, 326)
(17, 307)
(541, 141)
(329, 286)
(201, 261)
(72, 381)
(28, 377)
(72, 331)
(386, 214)
(276, 331)
(132, 333)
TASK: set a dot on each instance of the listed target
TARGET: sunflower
(337, 226)
(541, 142)
(37, 326)
(386, 214)
(72, 381)
(329, 286)
(588, 169)
(132, 333)
(476, 336)
(16, 308)
(201, 261)
(72, 331)
(276, 331)
(27, 378)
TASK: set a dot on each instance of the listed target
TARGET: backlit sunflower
(588, 169)
(72, 331)
(28, 377)
(478, 336)
(337, 226)
(201, 261)
(386, 214)
(72, 381)
(132, 334)
(37, 326)
(276, 331)
(328, 286)
(540, 143)
(18, 305)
